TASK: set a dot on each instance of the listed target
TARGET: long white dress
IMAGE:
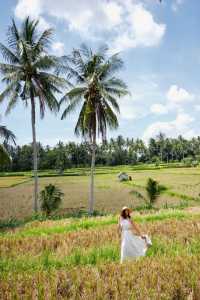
(132, 246)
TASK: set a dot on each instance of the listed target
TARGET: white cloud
(180, 126)
(159, 109)
(32, 8)
(128, 23)
(178, 95)
(58, 48)
(176, 99)
(141, 30)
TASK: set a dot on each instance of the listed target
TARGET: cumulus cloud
(128, 23)
(180, 126)
(142, 30)
(176, 98)
(32, 8)
(178, 95)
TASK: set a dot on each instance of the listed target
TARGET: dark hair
(123, 214)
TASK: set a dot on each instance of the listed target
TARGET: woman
(133, 243)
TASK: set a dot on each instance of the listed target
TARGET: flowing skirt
(132, 246)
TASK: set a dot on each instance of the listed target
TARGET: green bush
(51, 198)
(154, 190)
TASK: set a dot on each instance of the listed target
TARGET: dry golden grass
(162, 275)
(6, 182)
(147, 279)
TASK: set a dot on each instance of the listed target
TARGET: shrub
(154, 190)
(50, 198)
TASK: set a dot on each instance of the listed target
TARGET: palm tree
(7, 136)
(95, 90)
(28, 75)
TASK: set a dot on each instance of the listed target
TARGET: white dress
(132, 246)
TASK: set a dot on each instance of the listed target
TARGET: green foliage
(27, 68)
(4, 156)
(154, 190)
(50, 198)
(7, 135)
(96, 90)
(115, 152)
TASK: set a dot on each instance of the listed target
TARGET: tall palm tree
(7, 136)
(28, 75)
(95, 92)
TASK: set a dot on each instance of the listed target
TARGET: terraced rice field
(183, 187)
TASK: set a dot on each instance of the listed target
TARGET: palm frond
(7, 68)
(13, 99)
(80, 128)
(8, 90)
(43, 41)
(13, 36)
(71, 107)
(8, 55)
(111, 100)
(7, 134)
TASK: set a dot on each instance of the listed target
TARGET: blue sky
(160, 46)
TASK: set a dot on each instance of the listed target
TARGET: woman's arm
(136, 228)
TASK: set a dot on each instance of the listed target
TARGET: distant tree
(28, 75)
(95, 92)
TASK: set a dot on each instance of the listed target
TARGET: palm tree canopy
(28, 69)
(95, 90)
(7, 136)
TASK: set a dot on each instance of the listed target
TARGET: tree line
(119, 151)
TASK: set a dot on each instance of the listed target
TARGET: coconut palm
(28, 75)
(7, 136)
(95, 92)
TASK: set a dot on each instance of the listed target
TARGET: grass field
(183, 187)
(79, 259)
(6, 182)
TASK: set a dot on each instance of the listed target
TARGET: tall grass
(93, 223)
(83, 261)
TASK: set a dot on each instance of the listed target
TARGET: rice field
(183, 188)
(79, 259)
(6, 182)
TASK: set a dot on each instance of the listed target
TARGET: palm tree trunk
(91, 197)
(35, 162)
